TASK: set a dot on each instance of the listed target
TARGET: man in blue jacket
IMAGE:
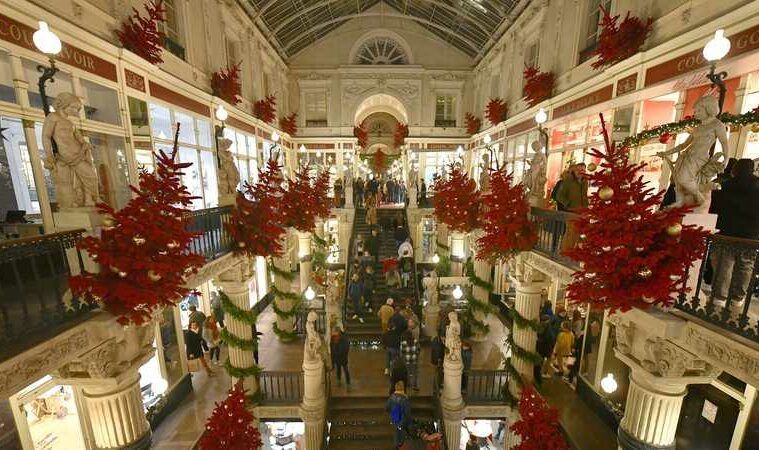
(399, 408)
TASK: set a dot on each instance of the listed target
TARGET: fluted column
(481, 271)
(284, 285)
(116, 414)
(527, 304)
(452, 401)
(458, 253)
(452, 424)
(304, 255)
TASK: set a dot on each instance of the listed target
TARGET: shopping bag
(193, 365)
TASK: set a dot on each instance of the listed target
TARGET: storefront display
(283, 435)
(485, 434)
(48, 417)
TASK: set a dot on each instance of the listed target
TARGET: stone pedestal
(227, 199)
(71, 219)
(458, 253)
(314, 402)
(116, 415)
(452, 372)
(431, 319)
(452, 424)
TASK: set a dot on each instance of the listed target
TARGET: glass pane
(144, 159)
(17, 188)
(204, 133)
(100, 103)
(138, 117)
(7, 93)
(210, 185)
(186, 128)
(62, 83)
(191, 177)
(109, 154)
(160, 122)
(170, 346)
(48, 175)
(242, 144)
(253, 162)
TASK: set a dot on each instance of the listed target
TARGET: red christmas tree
(379, 161)
(496, 111)
(255, 225)
(400, 135)
(141, 35)
(230, 426)
(362, 134)
(619, 42)
(538, 424)
(322, 202)
(507, 229)
(288, 124)
(538, 85)
(143, 248)
(225, 84)
(631, 255)
(301, 202)
(473, 124)
(457, 200)
(266, 109)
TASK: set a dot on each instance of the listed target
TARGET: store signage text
(626, 84)
(583, 102)
(520, 127)
(167, 95)
(134, 81)
(21, 35)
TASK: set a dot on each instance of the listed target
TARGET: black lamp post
(48, 43)
(714, 50)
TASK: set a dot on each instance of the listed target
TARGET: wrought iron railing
(552, 229)
(484, 386)
(302, 316)
(722, 288)
(213, 240)
(35, 302)
(281, 387)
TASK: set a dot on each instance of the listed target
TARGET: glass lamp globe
(310, 294)
(275, 137)
(302, 148)
(159, 386)
(458, 292)
(46, 41)
(435, 258)
(717, 47)
(487, 139)
(541, 116)
(459, 151)
(221, 113)
(609, 384)
(318, 153)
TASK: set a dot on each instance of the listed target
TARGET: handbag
(193, 365)
(569, 360)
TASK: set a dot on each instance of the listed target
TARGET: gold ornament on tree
(606, 193)
(675, 229)
(592, 167)
(645, 272)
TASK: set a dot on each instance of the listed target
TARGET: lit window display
(169, 347)
(152, 383)
(483, 434)
(52, 419)
(283, 435)
(435, 163)
(16, 180)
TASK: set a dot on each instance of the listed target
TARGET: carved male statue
(694, 169)
(74, 174)
(430, 284)
(485, 173)
(229, 176)
(535, 177)
(453, 337)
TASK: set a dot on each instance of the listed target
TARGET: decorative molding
(669, 360)
(212, 269)
(547, 266)
(730, 355)
(495, 412)
(624, 332)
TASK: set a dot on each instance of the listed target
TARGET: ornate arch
(380, 101)
(378, 34)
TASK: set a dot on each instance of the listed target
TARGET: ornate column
(442, 237)
(304, 256)
(458, 253)
(314, 403)
(481, 294)
(234, 282)
(284, 299)
(451, 400)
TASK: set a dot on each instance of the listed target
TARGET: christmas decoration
(496, 111)
(230, 426)
(362, 134)
(473, 124)
(379, 161)
(538, 85)
(538, 424)
(146, 247)
(322, 202)
(592, 167)
(457, 200)
(225, 84)
(141, 36)
(469, 317)
(248, 318)
(288, 124)
(303, 201)
(256, 222)
(619, 42)
(614, 272)
(505, 224)
(605, 193)
(266, 109)
(400, 135)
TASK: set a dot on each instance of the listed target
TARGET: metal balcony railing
(484, 386)
(214, 240)
(281, 387)
(552, 226)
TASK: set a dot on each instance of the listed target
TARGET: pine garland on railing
(286, 274)
(237, 342)
(248, 318)
(523, 353)
(284, 335)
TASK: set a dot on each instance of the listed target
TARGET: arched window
(381, 51)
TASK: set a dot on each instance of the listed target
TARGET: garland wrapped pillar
(458, 255)
(304, 256)
(481, 293)
(286, 302)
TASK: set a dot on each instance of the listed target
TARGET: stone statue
(453, 337)
(229, 176)
(535, 177)
(430, 284)
(694, 169)
(68, 155)
(485, 173)
(313, 340)
(413, 176)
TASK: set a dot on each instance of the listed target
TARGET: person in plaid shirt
(410, 354)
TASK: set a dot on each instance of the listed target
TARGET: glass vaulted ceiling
(469, 25)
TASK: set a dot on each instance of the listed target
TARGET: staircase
(361, 423)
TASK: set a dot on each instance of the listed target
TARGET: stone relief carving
(408, 90)
(625, 333)
(548, 266)
(212, 269)
(669, 360)
(724, 351)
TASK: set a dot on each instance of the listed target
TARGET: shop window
(591, 27)
(63, 83)
(100, 103)
(186, 128)
(445, 111)
(622, 123)
(210, 184)
(151, 381)
(170, 347)
(204, 133)
(138, 117)
(109, 156)
(17, 188)
(160, 122)
(7, 92)
(316, 109)
(693, 94)
(144, 157)
(191, 178)
(608, 363)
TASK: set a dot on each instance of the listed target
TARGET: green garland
(233, 310)
(238, 342)
(475, 280)
(523, 322)
(281, 313)
(241, 372)
(318, 259)
(286, 274)
(523, 353)
(319, 242)
(734, 120)
(248, 318)
(283, 295)
(443, 268)
(284, 335)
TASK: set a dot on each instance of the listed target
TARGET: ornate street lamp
(458, 292)
(541, 117)
(310, 294)
(221, 115)
(714, 50)
(48, 43)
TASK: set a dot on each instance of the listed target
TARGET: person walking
(399, 409)
(437, 353)
(212, 336)
(467, 355)
(385, 312)
(197, 317)
(399, 373)
(358, 192)
(410, 354)
(369, 285)
(339, 348)
(573, 195)
(544, 347)
(563, 348)
(195, 345)
(392, 342)
(372, 244)
(423, 195)
(355, 292)
(216, 309)
(393, 278)
(398, 321)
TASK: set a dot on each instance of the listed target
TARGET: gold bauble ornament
(675, 229)
(592, 167)
(138, 240)
(755, 128)
(645, 272)
(153, 276)
(172, 244)
(241, 244)
(606, 193)
(108, 222)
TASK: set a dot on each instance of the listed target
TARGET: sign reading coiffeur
(20, 34)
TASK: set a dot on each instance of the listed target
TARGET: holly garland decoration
(230, 426)
(141, 36)
(361, 134)
(249, 319)
(538, 85)
(289, 124)
(496, 110)
(225, 84)
(475, 305)
(457, 200)
(400, 134)
(285, 274)
(505, 222)
(473, 124)
(283, 335)
(266, 109)
(143, 249)
(617, 42)
(538, 424)
(630, 253)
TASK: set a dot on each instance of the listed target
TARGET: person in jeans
(399, 408)
(212, 336)
(339, 348)
(356, 292)
(410, 354)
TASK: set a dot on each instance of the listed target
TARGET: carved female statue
(694, 169)
(535, 177)
(313, 341)
(430, 284)
(453, 337)
(229, 177)
(485, 173)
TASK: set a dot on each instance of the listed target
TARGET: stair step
(370, 444)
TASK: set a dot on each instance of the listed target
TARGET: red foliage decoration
(630, 254)
(400, 135)
(143, 248)
(379, 161)
(538, 424)
(496, 110)
(230, 426)
(266, 108)
(619, 42)
(507, 229)
(288, 124)
(225, 84)
(362, 134)
(457, 200)
(473, 124)
(141, 36)
(323, 204)
(303, 201)
(538, 85)
(255, 225)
